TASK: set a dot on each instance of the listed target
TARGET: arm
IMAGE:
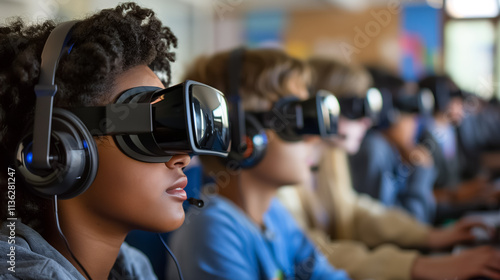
(383, 263)
(478, 262)
(375, 224)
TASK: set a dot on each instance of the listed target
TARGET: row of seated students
(244, 231)
(428, 162)
(247, 234)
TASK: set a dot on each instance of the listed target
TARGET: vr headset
(151, 124)
(421, 103)
(292, 118)
(356, 108)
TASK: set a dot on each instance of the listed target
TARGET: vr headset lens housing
(356, 108)
(422, 102)
(329, 109)
(292, 118)
(153, 123)
(211, 121)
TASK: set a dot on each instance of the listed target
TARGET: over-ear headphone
(58, 155)
(248, 137)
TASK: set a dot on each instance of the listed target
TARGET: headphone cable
(172, 256)
(66, 241)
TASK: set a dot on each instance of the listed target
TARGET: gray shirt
(31, 257)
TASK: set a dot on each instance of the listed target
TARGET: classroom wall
(191, 21)
(369, 36)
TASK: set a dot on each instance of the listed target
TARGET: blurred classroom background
(413, 37)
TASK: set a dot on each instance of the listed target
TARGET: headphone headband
(45, 91)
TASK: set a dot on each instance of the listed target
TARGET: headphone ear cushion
(74, 159)
(256, 139)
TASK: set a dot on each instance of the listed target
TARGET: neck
(92, 240)
(253, 195)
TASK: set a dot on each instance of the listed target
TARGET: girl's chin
(173, 225)
(173, 221)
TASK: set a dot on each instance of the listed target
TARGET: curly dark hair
(105, 45)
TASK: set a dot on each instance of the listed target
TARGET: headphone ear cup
(73, 158)
(256, 144)
(256, 139)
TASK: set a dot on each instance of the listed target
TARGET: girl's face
(131, 194)
(352, 133)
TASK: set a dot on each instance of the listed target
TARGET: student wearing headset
(389, 165)
(456, 138)
(244, 232)
(353, 229)
(87, 150)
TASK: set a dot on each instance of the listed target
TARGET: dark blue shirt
(378, 170)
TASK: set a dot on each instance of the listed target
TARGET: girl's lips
(177, 190)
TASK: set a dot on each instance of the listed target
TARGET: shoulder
(374, 150)
(280, 222)
(374, 141)
(278, 213)
(131, 264)
(28, 256)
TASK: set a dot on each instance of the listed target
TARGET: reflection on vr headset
(292, 118)
(356, 108)
(151, 124)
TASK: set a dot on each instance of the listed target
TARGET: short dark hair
(105, 45)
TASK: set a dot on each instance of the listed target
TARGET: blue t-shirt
(221, 242)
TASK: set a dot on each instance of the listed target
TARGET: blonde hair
(264, 75)
(341, 79)
(333, 191)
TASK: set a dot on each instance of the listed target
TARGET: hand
(460, 232)
(478, 262)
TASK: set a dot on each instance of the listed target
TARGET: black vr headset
(58, 156)
(421, 103)
(290, 117)
(151, 124)
(356, 108)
